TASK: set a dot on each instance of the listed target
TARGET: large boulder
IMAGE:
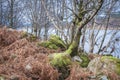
(105, 65)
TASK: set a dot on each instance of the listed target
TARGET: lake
(111, 35)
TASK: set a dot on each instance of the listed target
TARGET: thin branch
(52, 20)
(90, 16)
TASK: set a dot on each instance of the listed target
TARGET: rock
(82, 59)
(104, 77)
(28, 67)
(104, 65)
(14, 77)
(2, 78)
(95, 65)
(77, 58)
(60, 59)
(54, 42)
(85, 60)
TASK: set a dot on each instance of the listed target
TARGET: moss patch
(71, 49)
(60, 59)
(57, 41)
(48, 44)
(54, 42)
(85, 60)
(112, 60)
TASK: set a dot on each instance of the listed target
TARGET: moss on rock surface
(113, 62)
(85, 60)
(54, 39)
(54, 42)
(48, 44)
(105, 65)
(60, 59)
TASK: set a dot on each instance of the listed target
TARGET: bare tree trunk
(73, 27)
(73, 49)
(92, 39)
(11, 13)
(106, 27)
(1, 9)
(83, 39)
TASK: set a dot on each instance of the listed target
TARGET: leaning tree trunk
(63, 59)
(73, 48)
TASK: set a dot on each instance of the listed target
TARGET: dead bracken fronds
(111, 74)
(21, 59)
(78, 73)
(8, 36)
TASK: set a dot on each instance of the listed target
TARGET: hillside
(22, 59)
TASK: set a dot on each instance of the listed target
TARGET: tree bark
(65, 57)
(11, 13)
(73, 49)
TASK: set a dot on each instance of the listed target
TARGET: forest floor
(22, 59)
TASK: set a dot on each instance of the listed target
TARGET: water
(114, 40)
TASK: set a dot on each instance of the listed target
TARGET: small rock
(2, 78)
(28, 67)
(103, 77)
(77, 58)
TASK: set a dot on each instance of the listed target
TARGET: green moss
(54, 42)
(114, 60)
(118, 68)
(32, 37)
(48, 44)
(57, 41)
(110, 58)
(85, 60)
(53, 46)
(44, 44)
(71, 51)
(60, 59)
(24, 34)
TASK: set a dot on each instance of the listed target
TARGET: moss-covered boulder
(60, 59)
(105, 65)
(85, 60)
(112, 62)
(57, 41)
(54, 42)
(47, 44)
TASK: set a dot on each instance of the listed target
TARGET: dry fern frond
(78, 73)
